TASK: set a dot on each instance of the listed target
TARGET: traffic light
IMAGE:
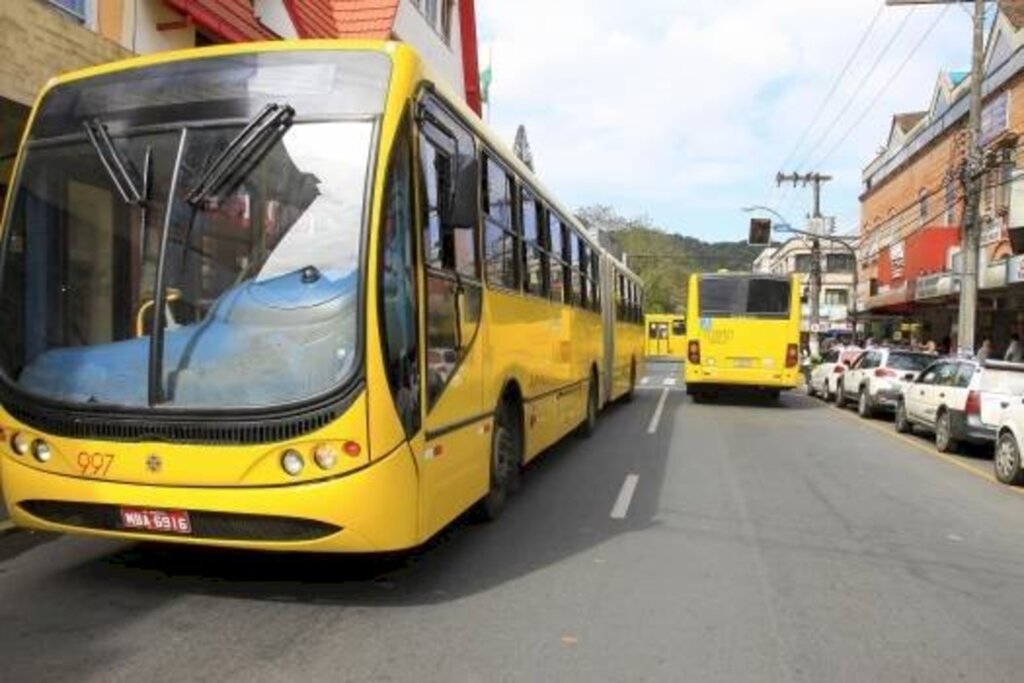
(760, 232)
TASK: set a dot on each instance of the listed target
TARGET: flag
(485, 85)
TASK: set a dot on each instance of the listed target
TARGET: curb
(7, 527)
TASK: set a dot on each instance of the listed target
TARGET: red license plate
(162, 521)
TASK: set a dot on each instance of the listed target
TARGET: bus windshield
(259, 278)
(754, 297)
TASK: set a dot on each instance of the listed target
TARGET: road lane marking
(645, 380)
(653, 426)
(929, 450)
(669, 381)
(621, 506)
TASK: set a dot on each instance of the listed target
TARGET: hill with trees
(664, 259)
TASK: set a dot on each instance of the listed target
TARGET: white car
(960, 400)
(876, 379)
(824, 379)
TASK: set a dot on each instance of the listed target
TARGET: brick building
(912, 203)
(70, 34)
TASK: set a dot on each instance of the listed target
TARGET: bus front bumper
(770, 379)
(370, 510)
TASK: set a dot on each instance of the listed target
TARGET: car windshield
(260, 277)
(910, 361)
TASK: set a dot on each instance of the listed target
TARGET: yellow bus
(744, 332)
(288, 296)
(666, 336)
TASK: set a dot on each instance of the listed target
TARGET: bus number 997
(95, 464)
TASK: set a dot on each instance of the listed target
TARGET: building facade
(71, 34)
(913, 199)
(837, 280)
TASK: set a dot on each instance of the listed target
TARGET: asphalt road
(734, 542)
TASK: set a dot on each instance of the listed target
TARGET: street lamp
(784, 227)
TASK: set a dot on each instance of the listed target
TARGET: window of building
(839, 263)
(802, 263)
(950, 201)
(75, 8)
(447, 13)
(836, 297)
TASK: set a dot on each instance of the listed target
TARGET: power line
(835, 85)
(888, 84)
(859, 87)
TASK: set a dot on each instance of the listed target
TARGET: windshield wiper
(243, 153)
(122, 174)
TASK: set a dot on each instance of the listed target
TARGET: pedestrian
(930, 346)
(1014, 352)
(985, 351)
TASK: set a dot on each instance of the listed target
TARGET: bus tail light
(973, 406)
(792, 356)
(693, 352)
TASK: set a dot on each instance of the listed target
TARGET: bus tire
(589, 424)
(628, 396)
(506, 459)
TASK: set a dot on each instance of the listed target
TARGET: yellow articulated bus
(744, 331)
(288, 296)
(666, 336)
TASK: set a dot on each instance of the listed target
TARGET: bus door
(454, 465)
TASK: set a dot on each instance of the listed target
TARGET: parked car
(960, 400)
(825, 376)
(1006, 462)
(876, 379)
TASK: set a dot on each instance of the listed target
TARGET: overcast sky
(685, 109)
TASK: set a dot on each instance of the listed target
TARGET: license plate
(743, 362)
(163, 521)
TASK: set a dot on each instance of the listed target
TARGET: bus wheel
(589, 424)
(506, 458)
(628, 396)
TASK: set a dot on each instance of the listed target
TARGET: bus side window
(557, 269)
(595, 282)
(398, 287)
(533, 255)
(500, 239)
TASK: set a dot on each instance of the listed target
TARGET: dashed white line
(645, 380)
(669, 381)
(653, 426)
(621, 506)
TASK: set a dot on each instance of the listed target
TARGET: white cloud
(684, 108)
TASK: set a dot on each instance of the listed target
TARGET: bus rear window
(739, 296)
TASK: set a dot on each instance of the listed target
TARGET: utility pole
(814, 180)
(971, 176)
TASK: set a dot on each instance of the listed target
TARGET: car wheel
(902, 423)
(840, 396)
(944, 441)
(864, 407)
(1007, 462)
(810, 389)
(828, 395)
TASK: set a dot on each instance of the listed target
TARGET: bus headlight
(41, 451)
(20, 443)
(292, 462)
(325, 456)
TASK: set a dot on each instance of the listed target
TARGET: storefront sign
(993, 275)
(933, 286)
(994, 118)
(991, 230)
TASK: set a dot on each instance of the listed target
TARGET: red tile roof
(230, 20)
(362, 18)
